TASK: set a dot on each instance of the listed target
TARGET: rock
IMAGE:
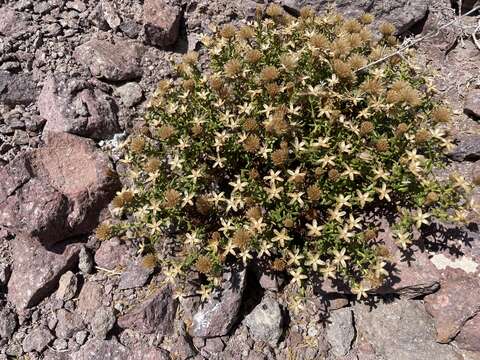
(11, 23)
(149, 353)
(81, 337)
(67, 286)
(136, 275)
(56, 191)
(112, 254)
(130, 93)
(5, 272)
(468, 148)
(102, 322)
(400, 330)
(8, 323)
(161, 22)
(213, 347)
(68, 324)
(90, 299)
(410, 279)
(467, 339)
(130, 28)
(184, 348)
(451, 311)
(467, 4)
(110, 14)
(37, 270)
(341, 331)
(119, 60)
(219, 314)
(402, 13)
(472, 103)
(37, 340)
(154, 315)
(265, 322)
(60, 344)
(97, 349)
(85, 261)
(17, 89)
(86, 112)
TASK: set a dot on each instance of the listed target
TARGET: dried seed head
(411, 96)
(279, 265)
(197, 129)
(366, 128)
(149, 261)
(366, 18)
(253, 56)
(188, 84)
(269, 73)
(372, 87)
(288, 223)
(137, 144)
(306, 12)
(204, 264)
(103, 231)
(254, 174)
(386, 29)
(342, 69)
(242, 238)
(319, 172)
(431, 198)
(232, 67)
(314, 193)
(272, 89)
(246, 32)
(118, 202)
(355, 40)
(288, 62)
(152, 165)
(190, 58)
(228, 31)
(202, 205)
(391, 40)
(401, 129)
(254, 213)
(422, 136)
(252, 143)
(369, 234)
(382, 145)
(357, 61)
(333, 175)
(216, 83)
(341, 47)
(165, 132)
(280, 156)
(441, 114)
(274, 10)
(172, 197)
(319, 41)
(250, 124)
(366, 35)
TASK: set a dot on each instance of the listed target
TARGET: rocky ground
(74, 77)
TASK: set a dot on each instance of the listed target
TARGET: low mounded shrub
(277, 149)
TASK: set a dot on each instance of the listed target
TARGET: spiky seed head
(137, 144)
(228, 31)
(149, 261)
(252, 143)
(165, 132)
(401, 129)
(386, 29)
(202, 205)
(369, 234)
(431, 198)
(274, 10)
(204, 264)
(441, 114)
(366, 128)
(246, 33)
(333, 174)
(253, 56)
(172, 198)
(422, 136)
(314, 193)
(306, 12)
(190, 58)
(342, 69)
(382, 145)
(242, 239)
(279, 265)
(366, 18)
(288, 223)
(269, 73)
(254, 212)
(103, 231)
(152, 165)
(232, 68)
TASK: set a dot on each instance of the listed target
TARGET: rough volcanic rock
(97, 349)
(37, 340)
(410, 276)
(119, 60)
(265, 322)
(11, 23)
(37, 270)
(102, 322)
(82, 110)
(161, 22)
(341, 331)
(112, 253)
(468, 148)
(90, 299)
(467, 339)
(135, 275)
(449, 308)
(472, 103)
(17, 89)
(8, 323)
(400, 330)
(156, 314)
(402, 13)
(218, 315)
(68, 324)
(56, 191)
(130, 94)
(67, 286)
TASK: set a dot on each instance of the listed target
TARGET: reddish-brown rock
(36, 270)
(161, 22)
(112, 253)
(457, 301)
(469, 336)
(56, 191)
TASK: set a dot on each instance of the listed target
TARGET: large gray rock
(80, 109)
(341, 331)
(17, 89)
(154, 315)
(37, 340)
(454, 304)
(402, 13)
(90, 299)
(8, 323)
(102, 322)
(135, 275)
(472, 103)
(265, 322)
(400, 330)
(37, 270)
(68, 324)
(56, 191)
(11, 22)
(217, 316)
(119, 60)
(468, 148)
(161, 22)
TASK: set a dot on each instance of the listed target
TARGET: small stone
(103, 322)
(85, 261)
(8, 323)
(468, 148)
(130, 28)
(37, 340)
(5, 272)
(17, 89)
(265, 322)
(467, 339)
(136, 275)
(68, 323)
(161, 22)
(111, 254)
(340, 331)
(472, 104)
(130, 93)
(81, 337)
(60, 344)
(110, 14)
(97, 349)
(67, 286)
(90, 299)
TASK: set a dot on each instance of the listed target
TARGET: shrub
(276, 150)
